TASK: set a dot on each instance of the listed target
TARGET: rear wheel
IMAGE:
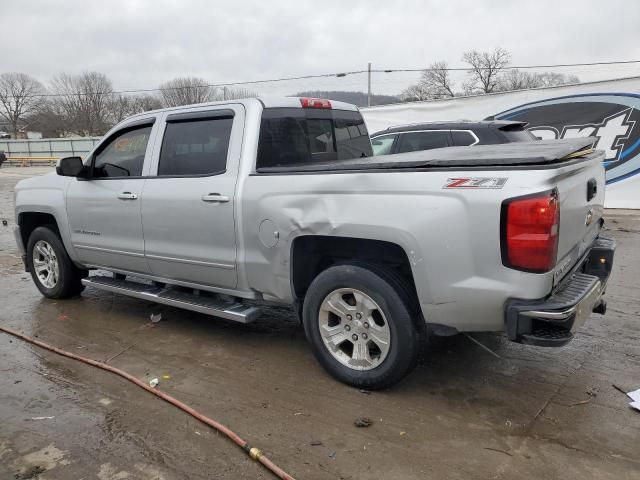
(359, 323)
(52, 270)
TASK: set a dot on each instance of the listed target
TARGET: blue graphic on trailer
(614, 118)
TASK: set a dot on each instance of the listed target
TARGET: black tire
(389, 292)
(69, 276)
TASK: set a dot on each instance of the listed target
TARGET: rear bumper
(552, 321)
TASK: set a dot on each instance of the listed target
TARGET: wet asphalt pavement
(464, 413)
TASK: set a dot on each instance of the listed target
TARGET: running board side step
(204, 303)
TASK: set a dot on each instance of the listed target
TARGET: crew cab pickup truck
(221, 207)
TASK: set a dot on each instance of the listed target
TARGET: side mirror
(70, 167)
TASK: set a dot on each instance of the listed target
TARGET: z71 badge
(476, 182)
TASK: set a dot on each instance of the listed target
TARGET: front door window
(123, 155)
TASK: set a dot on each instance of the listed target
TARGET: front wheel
(52, 270)
(359, 323)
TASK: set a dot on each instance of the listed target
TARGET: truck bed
(509, 155)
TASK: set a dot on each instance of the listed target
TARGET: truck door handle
(215, 197)
(127, 196)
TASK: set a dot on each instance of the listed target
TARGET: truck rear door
(188, 201)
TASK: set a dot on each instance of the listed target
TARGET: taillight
(315, 103)
(530, 232)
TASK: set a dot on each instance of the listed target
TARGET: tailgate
(581, 194)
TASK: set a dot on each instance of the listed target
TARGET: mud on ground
(463, 414)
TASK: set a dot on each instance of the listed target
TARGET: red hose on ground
(253, 452)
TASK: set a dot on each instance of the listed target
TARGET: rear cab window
(303, 136)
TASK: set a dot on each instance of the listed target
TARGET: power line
(325, 75)
(208, 85)
(463, 69)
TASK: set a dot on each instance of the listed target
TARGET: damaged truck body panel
(213, 206)
(450, 236)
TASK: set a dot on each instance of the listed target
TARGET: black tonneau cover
(540, 152)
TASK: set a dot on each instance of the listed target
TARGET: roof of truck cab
(267, 102)
(294, 102)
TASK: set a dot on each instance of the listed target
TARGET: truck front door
(104, 210)
(188, 202)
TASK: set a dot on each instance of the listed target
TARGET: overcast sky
(140, 44)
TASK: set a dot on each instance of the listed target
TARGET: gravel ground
(463, 414)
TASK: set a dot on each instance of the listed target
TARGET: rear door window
(383, 145)
(195, 147)
(298, 136)
(462, 138)
(415, 141)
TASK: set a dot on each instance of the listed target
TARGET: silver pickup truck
(221, 207)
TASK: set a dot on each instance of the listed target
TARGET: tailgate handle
(592, 189)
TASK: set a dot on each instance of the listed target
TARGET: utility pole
(369, 85)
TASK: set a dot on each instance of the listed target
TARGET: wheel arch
(312, 254)
(30, 219)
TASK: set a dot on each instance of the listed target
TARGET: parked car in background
(4, 135)
(460, 133)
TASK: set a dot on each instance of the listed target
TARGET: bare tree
(185, 91)
(20, 96)
(85, 101)
(226, 93)
(48, 120)
(414, 93)
(435, 83)
(487, 73)
(552, 79)
(120, 107)
(123, 106)
(484, 69)
(516, 79)
(144, 103)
